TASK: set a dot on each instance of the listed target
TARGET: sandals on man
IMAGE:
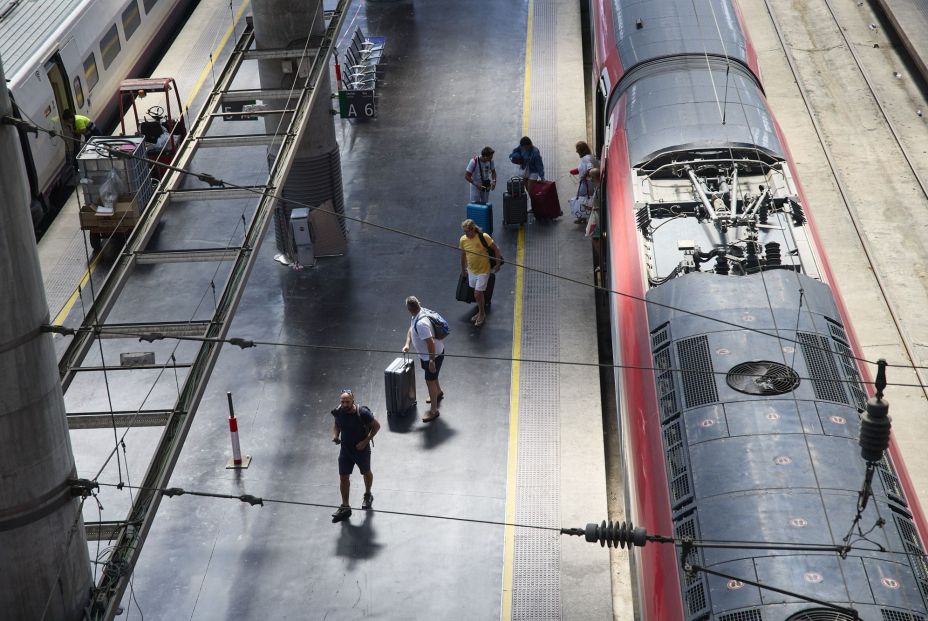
(441, 396)
(431, 417)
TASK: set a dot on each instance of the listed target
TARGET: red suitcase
(545, 204)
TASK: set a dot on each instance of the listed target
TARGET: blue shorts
(429, 376)
(348, 458)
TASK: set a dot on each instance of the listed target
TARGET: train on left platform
(739, 378)
(73, 54)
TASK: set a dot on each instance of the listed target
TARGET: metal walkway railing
(177, 421)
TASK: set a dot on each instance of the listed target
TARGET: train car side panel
(657, 582)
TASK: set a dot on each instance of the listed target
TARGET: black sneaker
(342, 513)
(368, 501)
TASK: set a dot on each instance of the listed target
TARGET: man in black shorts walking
(354, 428)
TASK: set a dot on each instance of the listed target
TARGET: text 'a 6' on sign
(356, 104)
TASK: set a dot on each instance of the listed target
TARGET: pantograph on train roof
(735, 212)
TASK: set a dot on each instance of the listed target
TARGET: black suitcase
(515, 186)
(515, 209)
(400, 384)
(465, 292)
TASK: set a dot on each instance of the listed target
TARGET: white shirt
(421, 328)
(584, 168)
(476, 194)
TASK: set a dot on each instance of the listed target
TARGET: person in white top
(480, 175)
(585, 189)
(431, 353)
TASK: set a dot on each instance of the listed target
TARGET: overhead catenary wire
(246, 343)
(629, 535)
(613, 292)
(215, 182)
(278, 344)
(735, 544)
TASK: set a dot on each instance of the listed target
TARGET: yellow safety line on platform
(63, 313)
(514, 385)
(215, 54)
(66, 309)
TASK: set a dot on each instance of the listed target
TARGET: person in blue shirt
(528, 158)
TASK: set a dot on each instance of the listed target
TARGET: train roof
(688, 103)
(650, 30)
(26, 27)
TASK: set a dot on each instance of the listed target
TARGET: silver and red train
(73, 54)
(747, 429)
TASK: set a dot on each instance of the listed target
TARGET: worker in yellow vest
(80, 125)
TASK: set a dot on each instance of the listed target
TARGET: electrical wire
(210, 179)
(737, 544)
(524, 267)
(245, 343)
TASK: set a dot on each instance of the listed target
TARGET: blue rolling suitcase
(482, 215)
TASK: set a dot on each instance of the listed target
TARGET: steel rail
(842, 188)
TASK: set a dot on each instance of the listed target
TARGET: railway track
(874, 159)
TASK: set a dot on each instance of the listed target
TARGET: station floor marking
(66, 309)
(215, 55)
(514, 386)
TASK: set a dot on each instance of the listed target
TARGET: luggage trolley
(114, 189)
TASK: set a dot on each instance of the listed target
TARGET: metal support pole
(316, 173)
(43, 547)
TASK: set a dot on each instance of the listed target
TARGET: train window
(149, 4)
(78, 92)
(90, 71)
(131, 19)
(109, 47)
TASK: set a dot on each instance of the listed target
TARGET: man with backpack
(353, 428)
(480, 257)
(425, 334)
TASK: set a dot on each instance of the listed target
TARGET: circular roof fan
(821, 614)
(762, 377)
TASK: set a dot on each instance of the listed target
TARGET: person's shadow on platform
(356, 542)
(436, 433)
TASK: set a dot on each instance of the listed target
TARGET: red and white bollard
(236, 462)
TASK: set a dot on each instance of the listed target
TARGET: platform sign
(238, 106)
(356, 104)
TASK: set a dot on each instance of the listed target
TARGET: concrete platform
(452, 82)
(910, 21)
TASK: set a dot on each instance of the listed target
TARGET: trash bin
(302, 236)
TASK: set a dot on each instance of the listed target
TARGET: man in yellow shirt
(80, 125)
(479, 257)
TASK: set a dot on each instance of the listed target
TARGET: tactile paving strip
(61, 281)
(536, 585)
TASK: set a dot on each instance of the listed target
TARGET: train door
(58, 81)
(599, 113)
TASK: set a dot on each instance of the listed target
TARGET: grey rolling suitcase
(515, 209)
(400, 384)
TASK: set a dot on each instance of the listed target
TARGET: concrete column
(316, 173)
(43, 547)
